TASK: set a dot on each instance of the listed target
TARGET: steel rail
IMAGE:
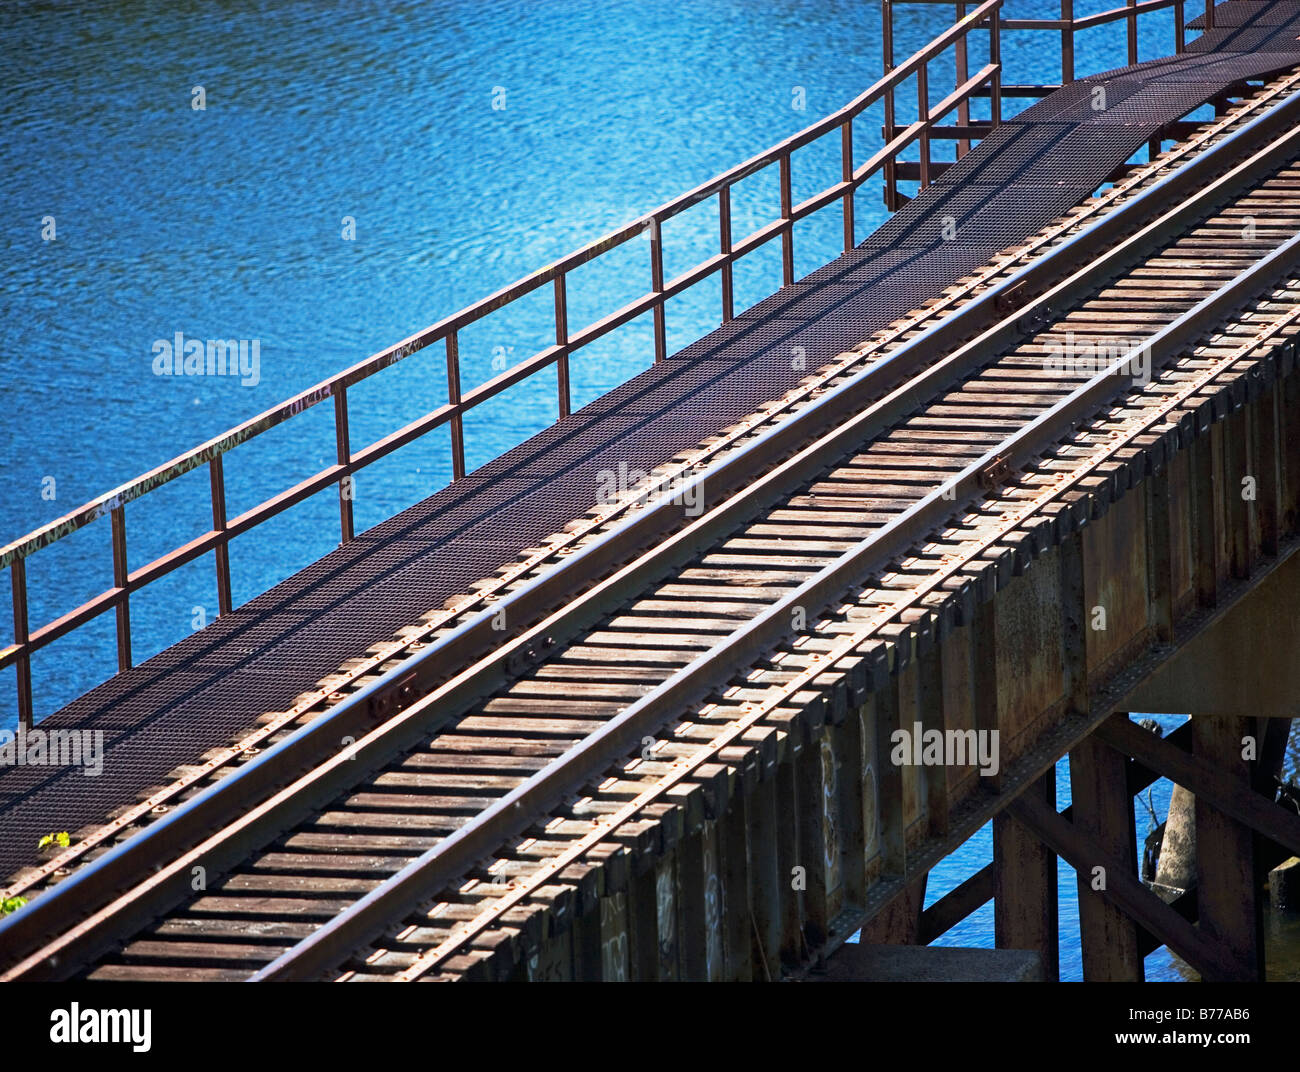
(823, 663)
(315, 744)
(820, 664)
(484, 593)
(675, 472)
(507, 817)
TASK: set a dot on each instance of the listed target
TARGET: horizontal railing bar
(887, 152)
(400, 438)
(971, 131)
(1023, 90)
(164, 564)
(268, 508)
(37, 639)
(1083, 22)
(1034, 24)
(910, 170)
(1118, 13)
(513, 375)
(961, 93)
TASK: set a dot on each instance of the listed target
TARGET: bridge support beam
(1025, 895)
(1227, 885)
(1103, 809)
(765, 880)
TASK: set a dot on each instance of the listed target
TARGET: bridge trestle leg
(1228, 904)
(1025, 893)
(1102, 806)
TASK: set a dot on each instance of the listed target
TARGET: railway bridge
(911, 529)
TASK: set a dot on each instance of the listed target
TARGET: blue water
(228, 222)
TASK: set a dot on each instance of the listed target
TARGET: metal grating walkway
(197, 694)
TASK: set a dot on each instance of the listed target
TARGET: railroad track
(334, 879)
(772, 567)
(385, 677)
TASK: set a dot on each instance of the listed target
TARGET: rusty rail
(234, 814)
(448, 860)
(567, 341)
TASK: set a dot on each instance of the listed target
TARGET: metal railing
(348, 461)
(1068, 26)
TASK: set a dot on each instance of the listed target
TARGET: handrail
(1067, 26)
(350, 460)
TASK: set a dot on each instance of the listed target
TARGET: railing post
(1132, 21)
(343, 452)
(962, 73)
(23, 664)
(453, 397)
(217, 478)
(1067, 42)
(562, 341)
(787, 233)
(120, 578)
(995, 58)
(1180, 29)
(1209, 15)
(887, 50)
(846, 175)
(657, 286)
(923, 114)
(724, 247)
